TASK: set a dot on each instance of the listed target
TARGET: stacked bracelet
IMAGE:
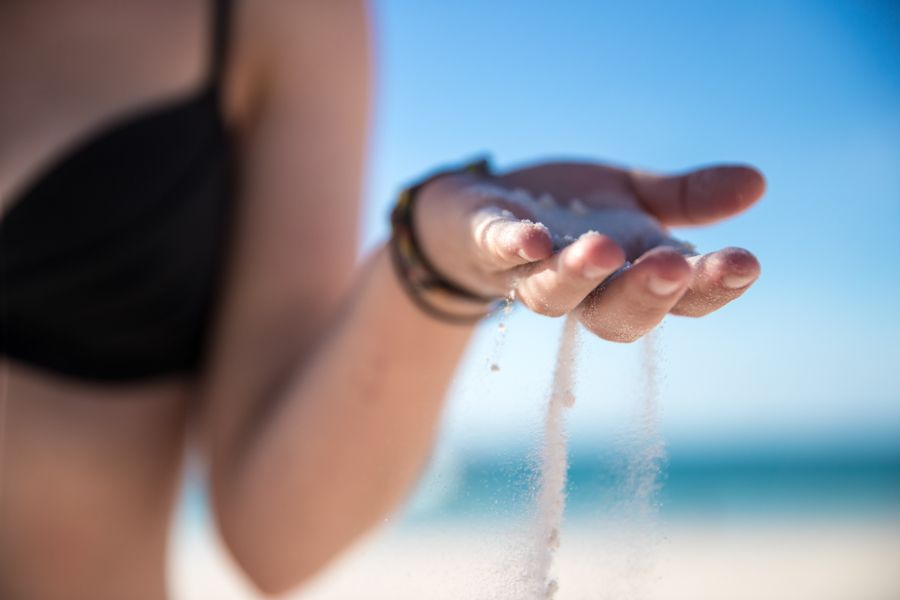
(426, 286)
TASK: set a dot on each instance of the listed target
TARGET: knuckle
(484, 231)
(609, 246)
(670, 260)
(488, 240)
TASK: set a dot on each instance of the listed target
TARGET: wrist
(428, 285)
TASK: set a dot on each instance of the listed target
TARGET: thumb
(701, 196)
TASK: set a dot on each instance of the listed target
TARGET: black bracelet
(424, 284)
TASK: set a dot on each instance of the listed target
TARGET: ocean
(739, 484)
(745, 484)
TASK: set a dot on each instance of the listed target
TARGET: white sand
(551, 497)
(789, 559)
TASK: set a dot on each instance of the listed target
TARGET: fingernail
(524, 255)
(593, 271)
(734, 281)
(662, 287)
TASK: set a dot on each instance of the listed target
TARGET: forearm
(346, 436)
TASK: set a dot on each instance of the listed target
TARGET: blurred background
(780, 414)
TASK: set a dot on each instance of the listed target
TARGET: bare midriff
(90, 474)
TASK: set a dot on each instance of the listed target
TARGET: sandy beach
(778, 559)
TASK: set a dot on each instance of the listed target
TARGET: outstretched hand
(555, 232)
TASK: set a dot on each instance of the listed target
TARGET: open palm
(555, 231)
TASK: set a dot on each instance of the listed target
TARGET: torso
(88, 471)
(76, 66)
(89, 477)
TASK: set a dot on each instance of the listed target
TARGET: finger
(638, 299)
(701, 196)
(718, 279)
(558, 284)
(505, 240)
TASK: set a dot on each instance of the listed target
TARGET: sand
(550, 502)
(780, 558)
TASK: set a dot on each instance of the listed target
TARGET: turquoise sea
(688, 485)
(711, 486)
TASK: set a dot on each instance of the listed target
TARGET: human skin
(319, 403)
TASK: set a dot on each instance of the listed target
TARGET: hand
(554, 232)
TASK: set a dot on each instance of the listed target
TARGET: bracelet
(431, 291)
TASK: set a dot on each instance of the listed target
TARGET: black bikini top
(111, 261)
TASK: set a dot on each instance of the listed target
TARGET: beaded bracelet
(432, 292)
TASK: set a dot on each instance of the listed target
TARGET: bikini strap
(221, 30)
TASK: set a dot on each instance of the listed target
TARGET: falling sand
(551, 495)
(645, 457)
(646, 454)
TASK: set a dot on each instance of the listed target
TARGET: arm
(321, 399)
(325, 386)
(341, 439)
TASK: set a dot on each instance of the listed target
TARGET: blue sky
(807, 91)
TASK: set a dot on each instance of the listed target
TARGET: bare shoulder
(281, 20)
(280, 43)
(299, 82)
(298, 92)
